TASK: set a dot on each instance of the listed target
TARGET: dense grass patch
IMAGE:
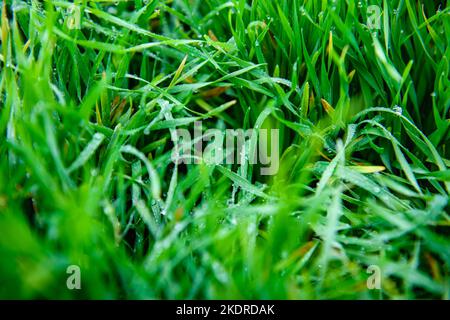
(91, 93)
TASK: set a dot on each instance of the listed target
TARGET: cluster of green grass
(86, 177)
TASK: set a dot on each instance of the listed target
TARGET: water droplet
(112, 10)
(302, 11)
(398, 110)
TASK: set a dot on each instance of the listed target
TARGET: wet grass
(86, 177)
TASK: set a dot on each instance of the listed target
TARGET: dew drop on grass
(16, 7)
(398, 110)
(302, 11)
